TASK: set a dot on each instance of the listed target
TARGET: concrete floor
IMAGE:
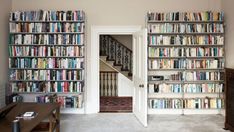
(126, 122)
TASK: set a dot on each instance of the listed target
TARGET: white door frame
(92, 88)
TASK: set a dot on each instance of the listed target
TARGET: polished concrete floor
(126, 122)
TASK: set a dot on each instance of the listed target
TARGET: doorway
(139, 101)
(115, 62)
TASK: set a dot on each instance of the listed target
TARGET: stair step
(118, 68)
(125, 73)
(110, 63)
(103, 57)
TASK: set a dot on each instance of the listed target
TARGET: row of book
(42, 15)
(200, 75)
(189, 76)
(205, 52)
(186, 88)
(207, 103)
(192, 103)
(186, 28)
(165, 103)
(47, 98)
(178, 76)
(49, 75)
(46, 51)
(42, 86)
(186, 64)
(43, 63)
(167, 64)
(166, 52)
(185, 16)
(17, 98)
(165, 88)
(75, 101)
(186, 40)
(47, 39)
(205, 64)
(186, 52)
(204, 88)
(46, 27)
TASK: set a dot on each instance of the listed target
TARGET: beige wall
(116, 12)
(124, 39)
(5, 8)
(227, 6)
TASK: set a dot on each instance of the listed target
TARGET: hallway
(126, 122)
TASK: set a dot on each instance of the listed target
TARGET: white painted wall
(126, 40)
(5, 8)
(112, 13)
(227, 6)
(125, 86)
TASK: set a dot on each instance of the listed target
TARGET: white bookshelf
(47, 56)
(186, 51)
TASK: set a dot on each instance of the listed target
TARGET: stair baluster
(108, 83)
(117, 52)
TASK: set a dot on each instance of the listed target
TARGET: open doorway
(115, 63)
(139, 98)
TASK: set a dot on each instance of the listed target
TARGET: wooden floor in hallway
(115, 104)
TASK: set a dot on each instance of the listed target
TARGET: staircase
(116, 55)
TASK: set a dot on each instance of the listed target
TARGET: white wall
(125, 86)
(126, 40)
(227, 6)
(5, 8)
(115, 12)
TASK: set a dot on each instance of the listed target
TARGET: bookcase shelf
(46, 80)
(46, 33)
(194, 45)
(52, 45)
(175, 69)
(46, 68)
(70, 93)
(150, 33)
(166, 57)
(185, 62)
(47, 57)
(153, 21)
(67, 21)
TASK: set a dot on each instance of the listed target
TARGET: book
(29, 114)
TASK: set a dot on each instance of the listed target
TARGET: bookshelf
(229, 107)
(47, 57)
(185, 62)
